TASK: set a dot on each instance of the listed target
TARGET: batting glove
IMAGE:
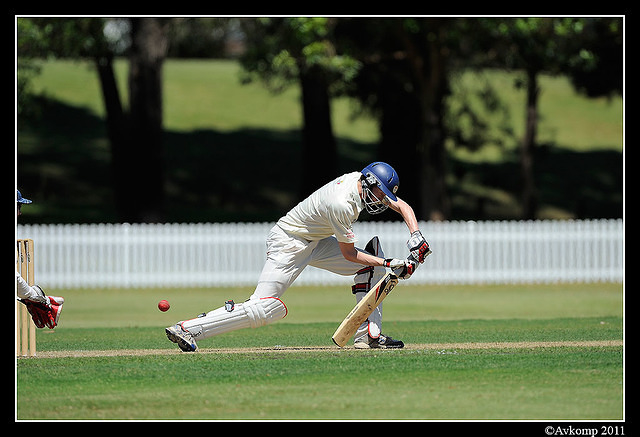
(418, 246)
(402, 268)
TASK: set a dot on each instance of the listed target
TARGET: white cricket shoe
(182, 337)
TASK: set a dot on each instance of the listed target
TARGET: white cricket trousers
(287, 257)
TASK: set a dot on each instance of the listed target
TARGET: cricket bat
(364, 308)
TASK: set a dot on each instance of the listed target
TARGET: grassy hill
(250, 139)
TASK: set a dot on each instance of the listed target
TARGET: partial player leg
(250, 314)
(369, 334)
(285, 260)
(327, 255)
(364, 279)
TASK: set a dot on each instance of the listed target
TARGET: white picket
(232, 254)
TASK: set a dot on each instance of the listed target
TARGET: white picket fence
(232, 254)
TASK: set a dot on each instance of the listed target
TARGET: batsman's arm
(352, 254)
(417, 245)
(406, 211)
(403, 268)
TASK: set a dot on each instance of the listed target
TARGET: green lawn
(541, 384)
(290, 370)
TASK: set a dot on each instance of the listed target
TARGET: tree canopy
(399, 69)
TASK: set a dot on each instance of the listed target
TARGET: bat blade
(363, 309)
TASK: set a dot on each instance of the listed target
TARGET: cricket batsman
(44, 310)
(319, 232)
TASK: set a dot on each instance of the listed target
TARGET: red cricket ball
(163, 305)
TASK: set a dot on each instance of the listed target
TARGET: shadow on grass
(63, 164)
(570, 184)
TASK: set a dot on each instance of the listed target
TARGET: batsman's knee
(369, 275)
(263, 311)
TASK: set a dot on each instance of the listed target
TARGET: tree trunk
(400, 132)
(436, 204)
(319, 155)
(145, 157)
(428, 62)
(117, 133)
(529, 196)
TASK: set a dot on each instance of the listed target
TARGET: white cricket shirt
(330, 210)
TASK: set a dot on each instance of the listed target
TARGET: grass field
(490, 352)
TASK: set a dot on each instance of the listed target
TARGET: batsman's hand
(418, 246)
(402, 268)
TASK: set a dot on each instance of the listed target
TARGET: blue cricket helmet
(22, 199)
(386, 177)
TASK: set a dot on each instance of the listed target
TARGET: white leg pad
(364, 280)
(250, 314)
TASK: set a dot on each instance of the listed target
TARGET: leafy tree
(596, 66)
(284, 52)
(588, 49)
(135, 136)
(408, 66)
(399, 68)
(404, 82)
